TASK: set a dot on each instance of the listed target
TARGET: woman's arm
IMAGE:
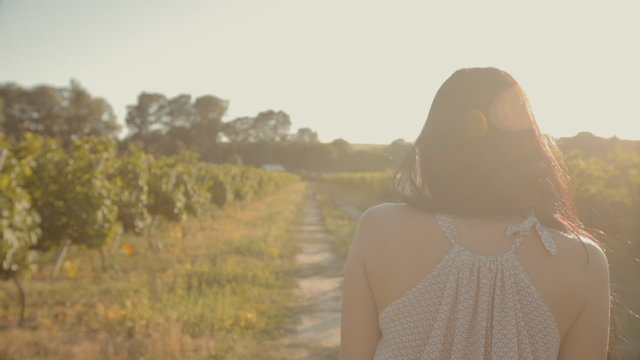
(588, 336)
(359, 331)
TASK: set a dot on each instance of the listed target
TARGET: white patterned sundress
(472, 306)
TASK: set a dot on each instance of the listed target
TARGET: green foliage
(177, 187)
(341, 226)
(92, 213)
(71, 191)
(607, 190)
(131, 177)
(245, 186)
(166, 195)
(181, 186)
(193, 177)
(243, 183)
(19, 223)
(46, 185)
(221, 186)
(86, 194)
(376, 184)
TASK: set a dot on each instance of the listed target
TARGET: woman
(485, 257)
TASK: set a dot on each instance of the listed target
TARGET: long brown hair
(480, 153)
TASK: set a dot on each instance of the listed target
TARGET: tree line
(163, 126)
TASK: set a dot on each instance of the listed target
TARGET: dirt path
(316, 327)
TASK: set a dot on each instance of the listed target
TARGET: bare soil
(315, 328)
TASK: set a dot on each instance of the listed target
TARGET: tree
(165, 126)
(179, 112)
(342, 146)
(147, 114)
(267, 126)
(85, 115)
(305, 135)
(239, 130)
(342, 150)
(36, 110)
(271, 126)
(209, 111)
(397, 150)
(65, 113)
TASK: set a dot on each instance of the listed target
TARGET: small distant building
(273, 167)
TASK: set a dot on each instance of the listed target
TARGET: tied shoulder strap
(524, 228)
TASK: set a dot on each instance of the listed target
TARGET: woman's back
(409, 258)
(480, 153)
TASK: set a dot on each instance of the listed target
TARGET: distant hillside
(592, 145)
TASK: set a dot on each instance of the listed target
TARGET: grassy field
(340, 225)
(219, 292)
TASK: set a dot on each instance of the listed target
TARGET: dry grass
(341, 225)
(217, 293)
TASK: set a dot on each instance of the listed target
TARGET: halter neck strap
(521, 230)
(524, 228)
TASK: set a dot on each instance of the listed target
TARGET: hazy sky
(365, 71)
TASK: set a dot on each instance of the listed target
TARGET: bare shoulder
(377, 217)
(390, 220)
(596, 265)
(584, 260)
(581, 250)
(389, 210)
(389, 214)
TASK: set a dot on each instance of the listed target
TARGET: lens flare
(476, 122)
(510, 111)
